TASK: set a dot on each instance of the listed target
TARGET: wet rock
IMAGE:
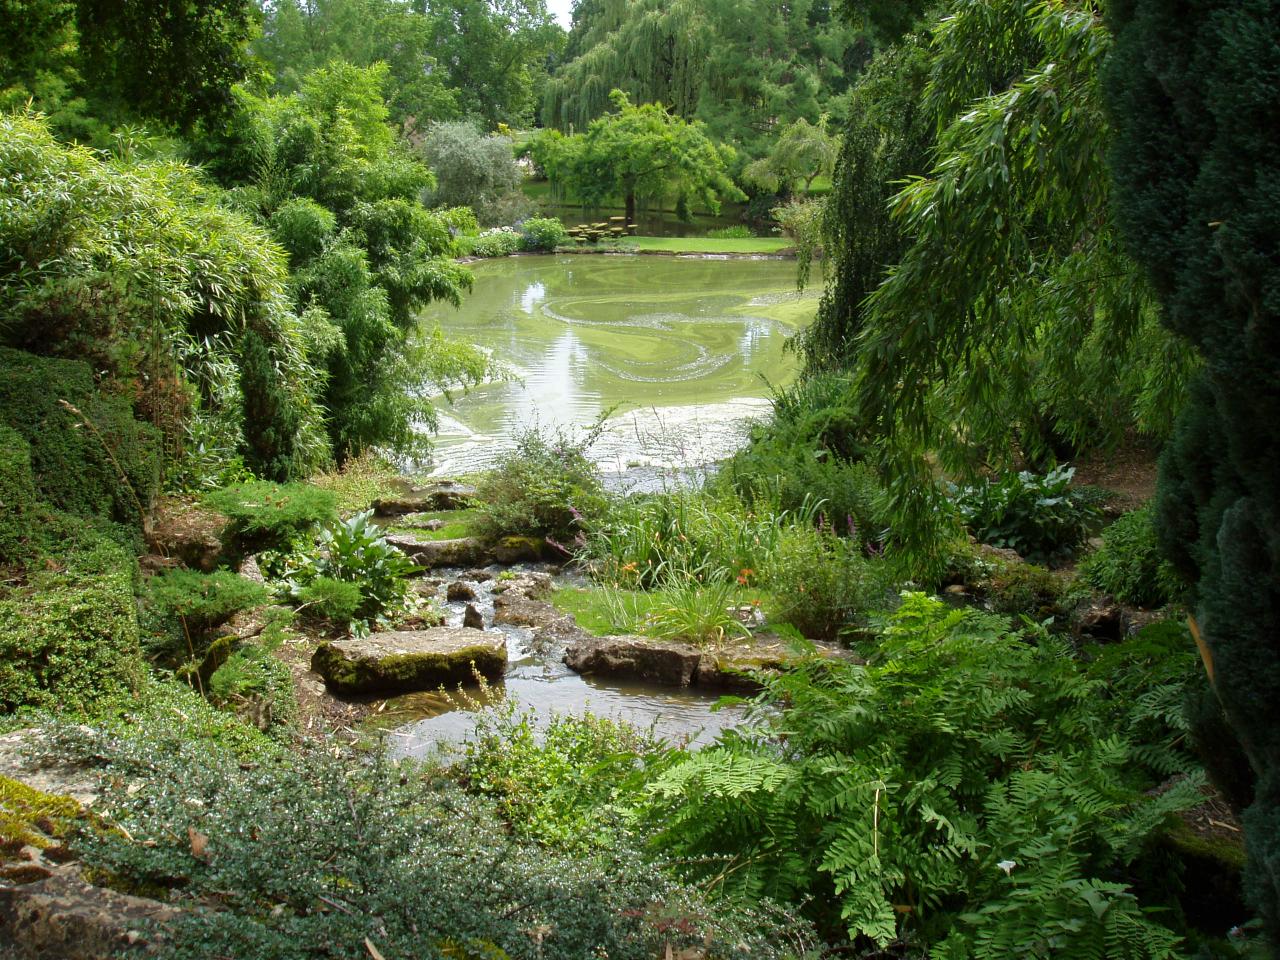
(459, 590)
(446, 495)
(63, 917)
(431, 554)
(478, 575)
(511, 550)
(529, 584)
(471, 617)
(187, 531)
(1100, 620)
(669, 663)
(410, 660)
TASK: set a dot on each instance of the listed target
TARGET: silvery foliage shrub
(303, 855)
(473, 170)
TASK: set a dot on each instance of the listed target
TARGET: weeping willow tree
(744, 68)
(1013, 326)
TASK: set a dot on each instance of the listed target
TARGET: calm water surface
(683, 348)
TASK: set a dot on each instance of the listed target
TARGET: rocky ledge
(410, 660)
(446, 495)
(467, 551)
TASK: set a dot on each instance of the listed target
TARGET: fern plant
(966, 789)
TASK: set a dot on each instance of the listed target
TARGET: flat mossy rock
(409, 660)
(64, 918)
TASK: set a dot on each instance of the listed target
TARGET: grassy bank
(708, 245)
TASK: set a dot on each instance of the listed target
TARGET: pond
(682, 349)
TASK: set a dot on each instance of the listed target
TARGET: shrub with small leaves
(501, 242)
(305, 855)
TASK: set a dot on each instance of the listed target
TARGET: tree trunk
(631, 208)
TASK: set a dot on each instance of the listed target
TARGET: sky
(561, 9)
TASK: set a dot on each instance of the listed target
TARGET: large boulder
(409, 660)
(672, 663)
(187, 531)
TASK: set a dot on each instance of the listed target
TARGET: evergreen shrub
(204, 600)
(329, 599)
(350, 852)
(17, 495)
(265, 515)
(95, 463)
(69, 635)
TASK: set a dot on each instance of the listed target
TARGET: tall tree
(642, 151)
(174, 60)
(743, 67)
(299, 37)
(1013, 326)
(1196, 161)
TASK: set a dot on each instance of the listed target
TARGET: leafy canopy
(646, 151)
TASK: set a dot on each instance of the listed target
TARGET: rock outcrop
(446, 495)
(410, 660)
(188, 532)
(64, 918)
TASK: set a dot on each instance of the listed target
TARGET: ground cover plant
(347, 853)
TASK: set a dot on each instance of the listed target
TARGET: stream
(428, 723)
